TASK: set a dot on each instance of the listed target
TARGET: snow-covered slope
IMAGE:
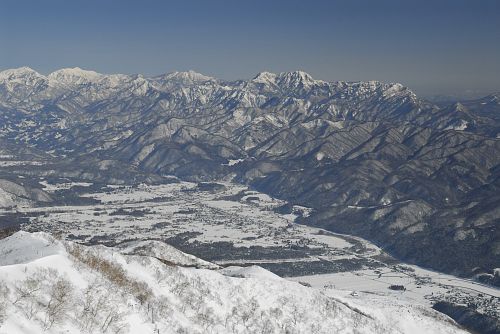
(13, 194)
(49, 286)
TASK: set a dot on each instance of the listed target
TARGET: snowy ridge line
(79, 76)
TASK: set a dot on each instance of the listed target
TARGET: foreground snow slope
(51, 286)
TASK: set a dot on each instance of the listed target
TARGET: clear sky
(434, 47)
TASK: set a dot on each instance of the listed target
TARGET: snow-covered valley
(238, 231)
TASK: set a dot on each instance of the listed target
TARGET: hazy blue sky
(432, 46)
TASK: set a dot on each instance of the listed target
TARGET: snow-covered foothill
(164, 253)
(62, 287)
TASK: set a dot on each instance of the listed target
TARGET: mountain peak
(298, 74)
(264, 77)
(19, 72)
(75, 75)
(187, 76)
(295, 79)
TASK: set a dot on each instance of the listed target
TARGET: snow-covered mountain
(51, 286)
(371, 158)
(74, 77)
(13, 194)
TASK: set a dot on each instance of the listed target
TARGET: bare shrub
(112, 272)
(139, 290)
(57, 235)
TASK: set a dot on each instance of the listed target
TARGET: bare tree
(297, 313)
(207, 318)
(99, 310)
(60, 300)
(113, 321)
(327, 306)
(244, 314)
(4, 294)
(27, 294)
(92, 306)
(158, 308)
(267, 327)
(161, 275)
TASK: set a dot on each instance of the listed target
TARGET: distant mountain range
(371, 158)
